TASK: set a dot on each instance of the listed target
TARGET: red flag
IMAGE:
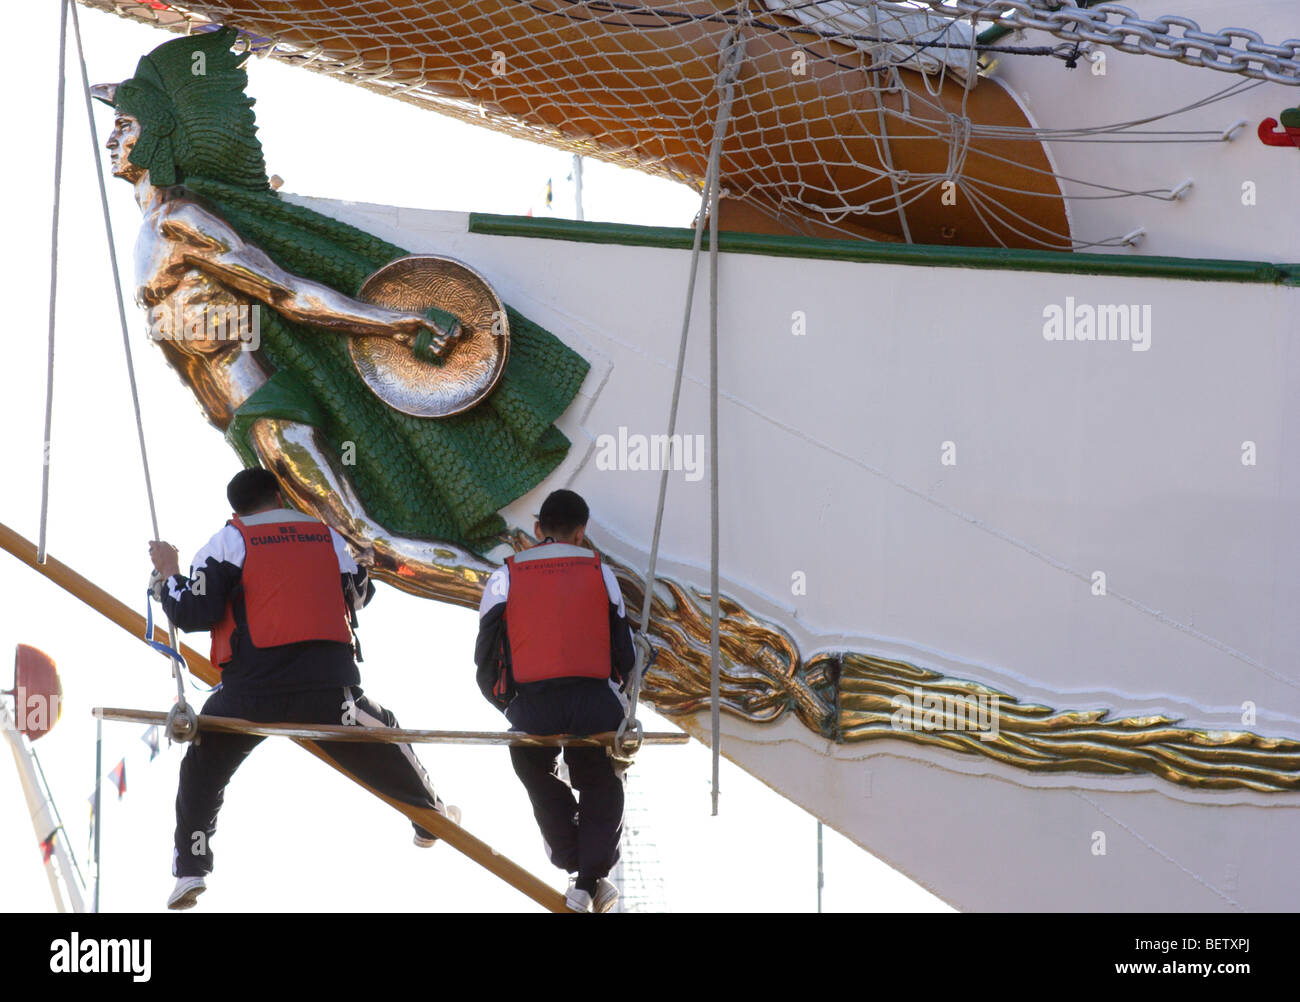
(37, 692)
(47, 848)
(118, 778)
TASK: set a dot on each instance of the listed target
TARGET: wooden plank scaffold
(455, 836)
(384, 735)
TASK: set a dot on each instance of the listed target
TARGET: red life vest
(291, 587)
(557, 618)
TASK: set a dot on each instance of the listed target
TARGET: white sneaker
(452, 814)
(577, 901)
(186, 893)
(606, 896)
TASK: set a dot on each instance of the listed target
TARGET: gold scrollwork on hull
(853, 697)
(877, 695)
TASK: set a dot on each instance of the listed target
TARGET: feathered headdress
(195, 119)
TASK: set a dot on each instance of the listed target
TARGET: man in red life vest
(553, 649)
(278, 591)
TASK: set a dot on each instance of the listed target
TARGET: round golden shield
(475, 360)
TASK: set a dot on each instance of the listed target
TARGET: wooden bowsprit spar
(427, 818)
(385, 735)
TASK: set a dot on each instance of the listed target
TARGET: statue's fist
(427, 337)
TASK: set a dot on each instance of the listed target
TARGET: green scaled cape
(430, 478)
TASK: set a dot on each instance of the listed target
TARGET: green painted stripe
(996, 33)
(927, 255)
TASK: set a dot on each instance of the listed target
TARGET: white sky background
(294, 835)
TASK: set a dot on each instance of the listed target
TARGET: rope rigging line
(991, 130)
(940, 127)
(987, 130)
(54, 279)
(886, 154)
(181, 719)
(731, 57)
(1002, 213)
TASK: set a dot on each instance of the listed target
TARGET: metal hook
(182, 724)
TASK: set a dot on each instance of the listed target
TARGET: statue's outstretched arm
(209, 243)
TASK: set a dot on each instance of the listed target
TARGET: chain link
(1167, 37)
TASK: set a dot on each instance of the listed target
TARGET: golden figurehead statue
(248, 294)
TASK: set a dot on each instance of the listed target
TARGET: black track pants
(582, 833)
(209, 763)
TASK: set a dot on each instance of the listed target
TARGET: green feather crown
(195, 119)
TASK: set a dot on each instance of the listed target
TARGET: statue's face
(121, 141)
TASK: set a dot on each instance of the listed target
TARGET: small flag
(91, 800)
(47, 847)
(150, 737)
(118, 778)
(548, 192)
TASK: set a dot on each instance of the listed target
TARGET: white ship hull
(1160, 463)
